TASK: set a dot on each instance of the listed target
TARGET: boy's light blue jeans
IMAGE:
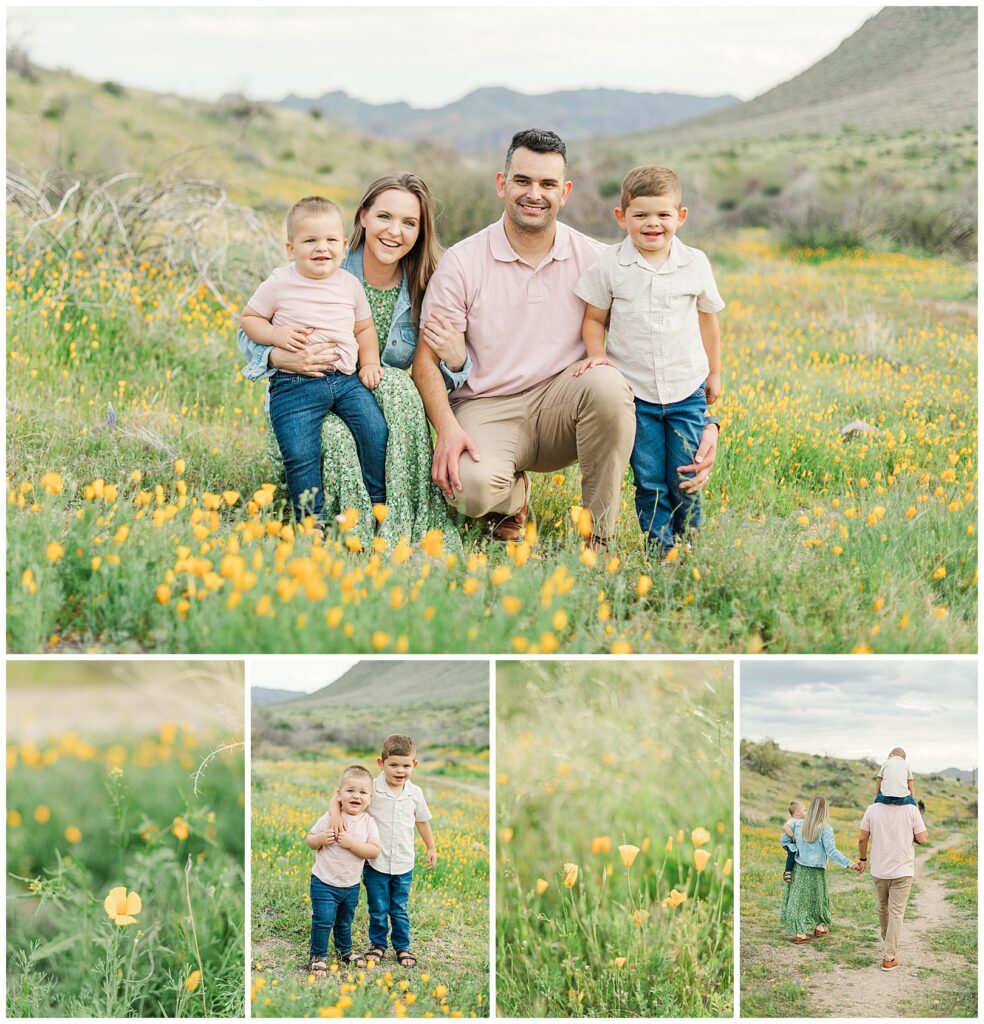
(298, 406)
(332, 910)
(666, 436)
(387, 897)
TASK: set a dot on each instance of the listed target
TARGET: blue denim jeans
(332, 910)
(882, 799)
(387, 897)
(790, 860)
(298, 406)
(666, 436)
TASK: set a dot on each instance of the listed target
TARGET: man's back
(892, 828)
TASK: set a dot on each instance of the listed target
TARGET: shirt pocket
(400, 346)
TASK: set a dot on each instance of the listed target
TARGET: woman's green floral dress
(415, 504)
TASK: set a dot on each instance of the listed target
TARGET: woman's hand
(312, 361)
(446, 340)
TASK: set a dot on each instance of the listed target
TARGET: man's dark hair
(537, 140)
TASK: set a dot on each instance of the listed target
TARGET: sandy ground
(122, 699)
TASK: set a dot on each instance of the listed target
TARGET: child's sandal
(375, 953)
(353, 959)
(318, 967)
(405, 958)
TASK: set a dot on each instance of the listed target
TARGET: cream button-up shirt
(395, 816)
(654, 334)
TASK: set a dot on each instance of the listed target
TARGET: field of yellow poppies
(614, 890)
(449, 906)
(126, 890)
(841, 515)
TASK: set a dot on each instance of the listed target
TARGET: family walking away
(514, 373)
(889, 827)
(368, 833)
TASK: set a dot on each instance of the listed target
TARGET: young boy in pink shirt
(314, 300)
(340, 854)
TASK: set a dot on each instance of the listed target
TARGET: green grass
(449, 906)
(877, 532)
(580, 746)
(84, 819)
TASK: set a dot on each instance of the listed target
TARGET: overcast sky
(429, 56)
(857, 707)
(297, 673)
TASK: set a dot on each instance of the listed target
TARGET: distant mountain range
(266, 695)
(966, 778)
(488, 118)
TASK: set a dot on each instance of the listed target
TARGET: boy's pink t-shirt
(335, 865)
(331, 307)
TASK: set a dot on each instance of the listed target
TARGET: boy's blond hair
(354, 769)
(310, 206)
(796, 805)
(402, 746)
(651, 180)
(897, 752)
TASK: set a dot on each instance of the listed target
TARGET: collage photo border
(733, 663)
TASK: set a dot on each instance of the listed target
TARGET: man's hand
(290, 339)
(431, 858)
(712, 388)
(312, 361)
(442, 337)
(585, 364)
(860, 865)
(371, 375)
(451, 442)
(703, 462)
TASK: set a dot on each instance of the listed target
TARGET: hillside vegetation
(442, 704)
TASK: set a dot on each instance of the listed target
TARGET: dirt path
(871, 992)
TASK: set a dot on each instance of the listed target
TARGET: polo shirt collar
(679, 256)
(504, 252)
(380, 786)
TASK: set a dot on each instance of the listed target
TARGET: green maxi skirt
(805, 901)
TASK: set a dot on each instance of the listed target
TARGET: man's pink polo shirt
(891, 827)
(522, 324)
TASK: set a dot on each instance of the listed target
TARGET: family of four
(890, 826)
(506, 337)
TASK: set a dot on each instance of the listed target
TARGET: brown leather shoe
(512, 528)
(889, 965)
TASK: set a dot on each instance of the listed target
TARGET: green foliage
(113, 88)
(763, 758)
(84, 820)
(578, 746)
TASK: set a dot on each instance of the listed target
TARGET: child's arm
(335, 819)
(370, 370)
(710, 336)
(788, 829)
(593, 335)
(423, 827)
(368, 850)
(259, 328)
(911, 789)
(878, 782)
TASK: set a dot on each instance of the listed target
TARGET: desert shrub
(325, 168)
(610, 188)
(19, 62)
(763, 758)
(113, 88)
(287, 155)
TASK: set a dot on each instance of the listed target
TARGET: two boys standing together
(368, 834)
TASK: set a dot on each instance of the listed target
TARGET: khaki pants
(588, 419)
(893, 895)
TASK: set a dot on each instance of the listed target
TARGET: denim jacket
(816, 854)
(398, 350)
